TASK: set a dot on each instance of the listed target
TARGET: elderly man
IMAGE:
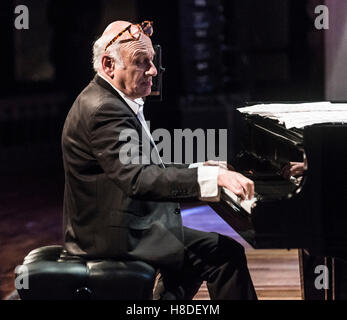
(127, 210)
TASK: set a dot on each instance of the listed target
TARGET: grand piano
(307, 212)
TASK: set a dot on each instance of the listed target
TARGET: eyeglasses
(135, 30)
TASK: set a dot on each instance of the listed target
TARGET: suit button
(177, 211)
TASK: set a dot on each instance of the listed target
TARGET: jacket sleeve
(176, 165)
(138, 178)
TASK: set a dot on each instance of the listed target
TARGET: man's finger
(248, 186)
(238, 190)
(242, 194)
(251, 193)
(297, 169)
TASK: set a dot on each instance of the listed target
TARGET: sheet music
(301, 115)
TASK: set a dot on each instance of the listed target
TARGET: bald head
(127, 63)
(115, 27)
(127, 44)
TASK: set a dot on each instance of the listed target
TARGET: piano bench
(48, 273)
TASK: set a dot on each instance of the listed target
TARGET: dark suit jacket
(111, 209)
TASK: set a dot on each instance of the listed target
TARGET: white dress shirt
(207, 175)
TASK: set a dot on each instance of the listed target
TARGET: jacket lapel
(104, 84)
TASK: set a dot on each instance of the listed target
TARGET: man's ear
(108, 66)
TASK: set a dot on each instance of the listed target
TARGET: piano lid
(300, 115)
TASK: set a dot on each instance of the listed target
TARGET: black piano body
(309, 213)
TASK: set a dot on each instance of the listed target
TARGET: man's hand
(236, 183)
(293, 169)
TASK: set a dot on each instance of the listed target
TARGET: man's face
(135, 79)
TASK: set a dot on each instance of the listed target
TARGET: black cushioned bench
(53, 274)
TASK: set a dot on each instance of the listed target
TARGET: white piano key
(246, 205)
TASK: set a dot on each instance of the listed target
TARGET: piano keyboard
(246, 205)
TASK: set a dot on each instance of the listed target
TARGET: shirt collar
(134, 105)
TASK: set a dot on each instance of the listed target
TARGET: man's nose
(152, 71)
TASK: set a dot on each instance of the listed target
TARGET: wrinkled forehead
(133, 48)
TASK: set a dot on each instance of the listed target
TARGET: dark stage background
(218, 55)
